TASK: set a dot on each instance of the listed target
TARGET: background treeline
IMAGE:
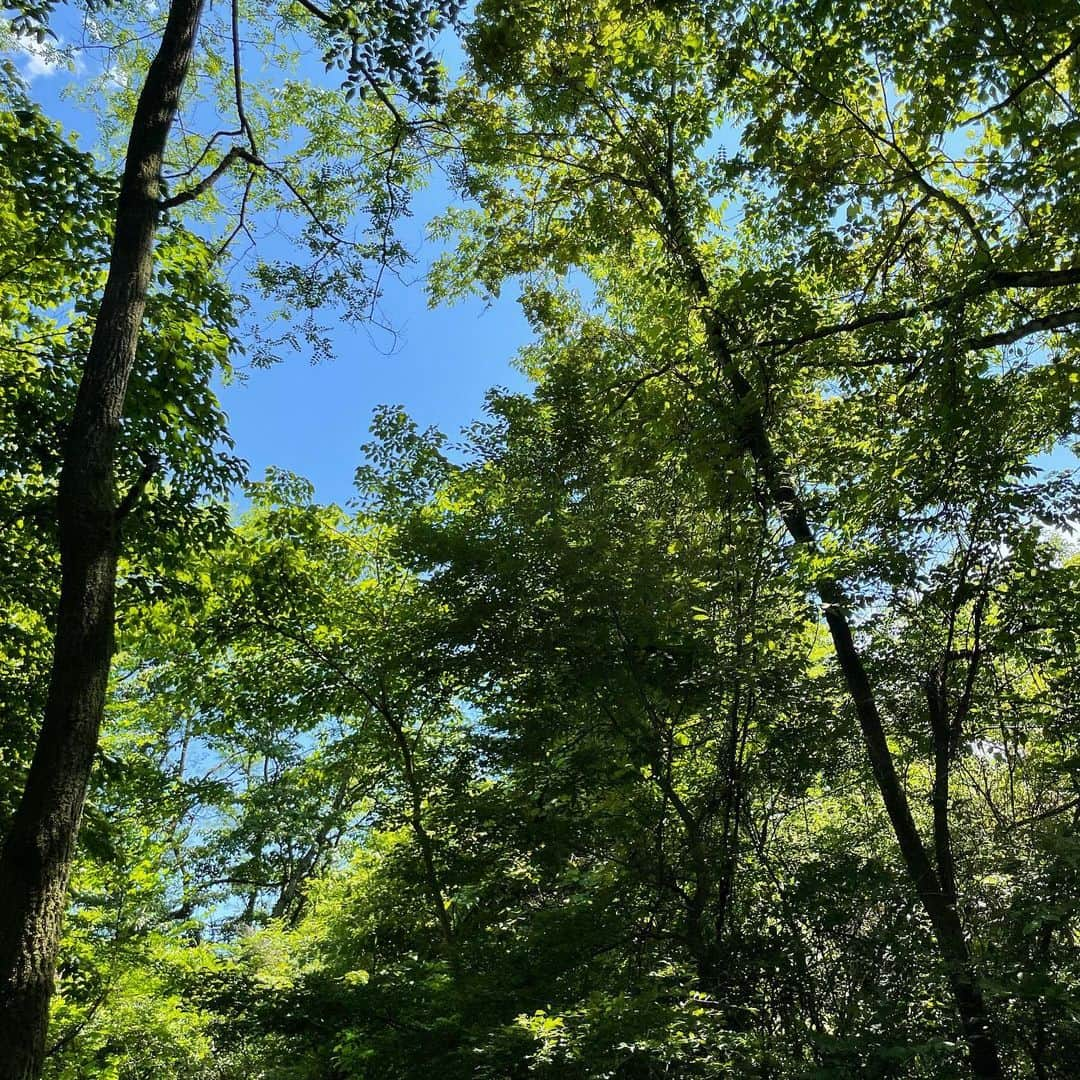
(709, 711)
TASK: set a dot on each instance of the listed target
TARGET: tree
(39, 842)
(57, 248)
(708, 710)
(607, 119)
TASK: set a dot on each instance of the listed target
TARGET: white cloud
(42, 59)
(37, 59)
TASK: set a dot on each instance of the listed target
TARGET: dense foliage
(709, 711)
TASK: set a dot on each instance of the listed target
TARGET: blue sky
(313, 418)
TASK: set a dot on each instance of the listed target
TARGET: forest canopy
(708, 709)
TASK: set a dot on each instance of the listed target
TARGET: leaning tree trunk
(37, 854)
(938, 899)
(938, 902)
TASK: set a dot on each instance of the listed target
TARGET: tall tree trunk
(938, 904)
(37, 854)
(784, 498)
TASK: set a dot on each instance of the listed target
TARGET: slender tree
(620, 116)
(39, 845)
(38, 849)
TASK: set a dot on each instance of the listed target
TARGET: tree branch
(1030, 81)
(997, 281)
(1045, 814)
(1057, 321)
(151, 464)
(238, 86)
(236, 153)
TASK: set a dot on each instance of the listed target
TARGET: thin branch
(306, 204)
(236, 153)
(323, 16)
(327, 19)
(882, 265)
(1045, 814)
(206, 150)
(641, 380)
(879, 137)
(1057, 321)
(70, 1036)
(151, 464)
(997, 281)
(238, 87)
(1029, 82)
(382, 95)
(241, 224)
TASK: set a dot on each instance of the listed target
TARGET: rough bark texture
(36, 859)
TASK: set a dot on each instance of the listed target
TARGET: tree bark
(36, 860)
